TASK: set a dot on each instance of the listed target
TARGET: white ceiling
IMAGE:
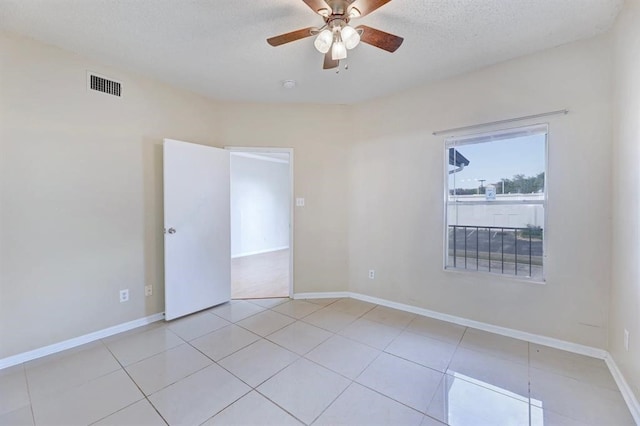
(218, 48)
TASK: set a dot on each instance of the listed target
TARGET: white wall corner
(625, 389)
(77, 341)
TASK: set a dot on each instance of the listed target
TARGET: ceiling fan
(336, 36)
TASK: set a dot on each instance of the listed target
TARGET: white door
(197, 253)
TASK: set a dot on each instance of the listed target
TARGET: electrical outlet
(299, 202)
(372, 274)
(626, 339)
(124, 295)
(148, 290)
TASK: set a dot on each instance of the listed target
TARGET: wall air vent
(101, 84)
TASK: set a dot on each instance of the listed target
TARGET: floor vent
(104, 85)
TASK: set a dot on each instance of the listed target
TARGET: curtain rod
(509, 120)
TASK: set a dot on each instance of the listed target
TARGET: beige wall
(396, 209)
(81, 199)
(81, 190)
(625, 287)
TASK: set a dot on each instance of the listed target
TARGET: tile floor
(321, 362)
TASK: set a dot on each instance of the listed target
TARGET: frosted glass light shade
(323, 41)
(350, 37)
(338, 51)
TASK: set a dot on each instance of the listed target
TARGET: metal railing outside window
(502, 250)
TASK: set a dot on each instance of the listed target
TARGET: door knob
(171, 231)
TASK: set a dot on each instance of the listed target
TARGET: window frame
(458, 140)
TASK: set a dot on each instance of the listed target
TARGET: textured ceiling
(218, 48)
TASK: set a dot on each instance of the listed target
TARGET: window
(495, 202)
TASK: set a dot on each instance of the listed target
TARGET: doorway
(261, 217)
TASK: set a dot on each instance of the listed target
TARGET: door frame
(267, 150)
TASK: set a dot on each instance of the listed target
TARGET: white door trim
(265, 150)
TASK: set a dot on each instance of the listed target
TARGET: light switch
(299, 202)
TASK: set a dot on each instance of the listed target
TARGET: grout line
(26, 381)
(304, 356)
(279, 406)
(332, 401)
(136, 384)
(228, 405)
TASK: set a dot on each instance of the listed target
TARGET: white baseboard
(251, 253)
(625, 389)
(322, 295)
(627, 393)
(504, 331)
(77, 341)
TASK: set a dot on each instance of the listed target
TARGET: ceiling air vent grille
(101, 84)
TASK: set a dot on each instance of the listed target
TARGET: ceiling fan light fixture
(338, 51)
(350, 36)
(323, 41)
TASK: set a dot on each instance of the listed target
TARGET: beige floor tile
(137, 330)
(496, 345)
(64, 372)
(304, 389)
(499, 375)
(224, 342)
(436, 329)
(20, 417)
(430, 421)
(297, 308)
(330, 319)
(542, 417)
(344, 356)
(370, 333)
(389, 316)
(361, 406)
(580, 367)
(258, 361)
(139, 346)
(161, 370)
(198, 397)
(64, 354)
(423, 350)
(269, 302)
(325, 301)
(139, 414)
(13, 389)
(401, 380)
(299, 337)
(196, 325)
(87, 403)
(265, 322)
(236, 310)
(578, 400)
(458, 402)
(352, 306)
(253, 409)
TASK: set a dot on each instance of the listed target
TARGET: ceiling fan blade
(365, 7)
(380, 39)
(317, 5)
(292, 36)
(329, 62)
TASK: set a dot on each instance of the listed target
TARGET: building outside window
(495, 202)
